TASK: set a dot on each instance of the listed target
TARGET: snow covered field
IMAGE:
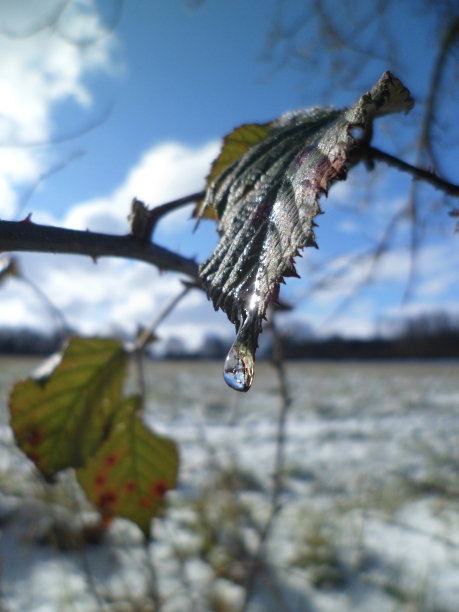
(370, 502)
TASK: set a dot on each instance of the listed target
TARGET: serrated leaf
(60, 419)
(233, 148)
(132, 470)
(267, 201)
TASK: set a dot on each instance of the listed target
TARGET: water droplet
(238, 370)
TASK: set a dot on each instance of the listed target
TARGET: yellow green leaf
(60, 419)
(131, 471)
(233, 148)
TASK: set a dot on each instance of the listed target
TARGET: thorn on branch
(143, 220)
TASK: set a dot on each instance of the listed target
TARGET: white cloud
(165, 172)
(40, 69)
(45, 61)
(349, 327)
(21, 307)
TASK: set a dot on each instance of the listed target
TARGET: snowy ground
(370, 506)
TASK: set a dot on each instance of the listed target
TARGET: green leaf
(131, 471)
(266, 202)
(60, 419)
(233, 148)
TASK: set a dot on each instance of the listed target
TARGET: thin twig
(424, 143)
(86, 566)
(164, 209)
(279, 460)
(449, 37)
(373, 255)
(148, 334)
(418, 173)
(169, 307)
(285, 402)
(412, 211)
(152, 573)
(63, 329)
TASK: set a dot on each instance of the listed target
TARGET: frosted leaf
(266, 201)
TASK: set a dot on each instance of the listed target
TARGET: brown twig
(277, 487)
(418, 173)
(449, 37)
(168, 207)
(143, 220)
(285, 402)
(28, 236)
(148, 334)
(152, 571)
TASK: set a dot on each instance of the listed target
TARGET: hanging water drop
(238, 370)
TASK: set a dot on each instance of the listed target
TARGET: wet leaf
(132, 470)
(61, 418)
(233, 148)
(266, 202)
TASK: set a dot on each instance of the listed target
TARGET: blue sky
(140, 112)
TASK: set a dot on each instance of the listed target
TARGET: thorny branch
(28, 236)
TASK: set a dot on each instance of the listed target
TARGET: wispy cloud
(40, 69)
(164, 172)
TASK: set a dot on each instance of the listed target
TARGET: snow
(369, 516)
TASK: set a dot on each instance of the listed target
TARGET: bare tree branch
(28, 236)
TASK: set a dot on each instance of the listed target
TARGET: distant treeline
(28, 342)
(438, 346)
(428, 336)
(432, 336)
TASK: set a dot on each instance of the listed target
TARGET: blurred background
(102, 101)
(350, 504)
